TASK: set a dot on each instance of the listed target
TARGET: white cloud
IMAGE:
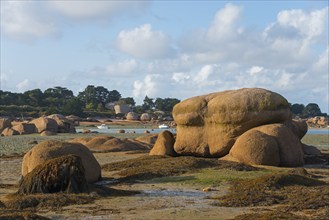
(203, 74)
(23, 86)
(151, 86)
(25, 21)
(255, 70)
(142, 42)
(224, 24)
(180, 77)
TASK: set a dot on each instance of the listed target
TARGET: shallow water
(318, 131)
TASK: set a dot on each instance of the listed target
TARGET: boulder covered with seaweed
(50, 149)
(62, 174)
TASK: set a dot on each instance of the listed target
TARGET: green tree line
(60, 100)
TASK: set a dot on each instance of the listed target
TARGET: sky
(163, 49)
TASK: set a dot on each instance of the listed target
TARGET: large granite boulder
(52, 149)
(45, 124)
(164, 145)
(63, 174)
(209, 125)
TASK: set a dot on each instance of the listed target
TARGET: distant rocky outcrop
(318, 122)
(45, 124)
(65, 174)
(145, 117)
(132, 116)
(250, 125)
(25, 128)
(50, 149)
(64, 125)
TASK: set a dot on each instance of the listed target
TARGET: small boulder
(145, 117)
(121, 131)
(62, 174)
(9, 132)
(51, 149)
(132, 116)
(164, 145)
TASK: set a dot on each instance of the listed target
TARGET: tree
(128, 101)
(148, 103)
(297, 109)
(73, 107)
(36, 96)
(114, 96)
(311, 110)
(166, 104)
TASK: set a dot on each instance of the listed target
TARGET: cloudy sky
(167, 48)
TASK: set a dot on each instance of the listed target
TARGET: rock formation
(4, 123)
(132, 116)
(45, 124)
(248, 125)
(51, 149)
(164, 145)
(61, 174)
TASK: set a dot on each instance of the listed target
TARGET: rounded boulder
(52, 149)
(164, 145)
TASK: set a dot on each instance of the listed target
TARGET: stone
(132, 116)
(145, 117)
(45, 124)
(4, 123)
(9, 132)
(25, 128)
(164, 145)
(64, 125)
(274, 145)
(209, 125)
(50, 149)
(63, 174)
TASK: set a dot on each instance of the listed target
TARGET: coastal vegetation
(92, 101)
(98, 101)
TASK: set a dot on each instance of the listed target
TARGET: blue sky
(167, 48)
